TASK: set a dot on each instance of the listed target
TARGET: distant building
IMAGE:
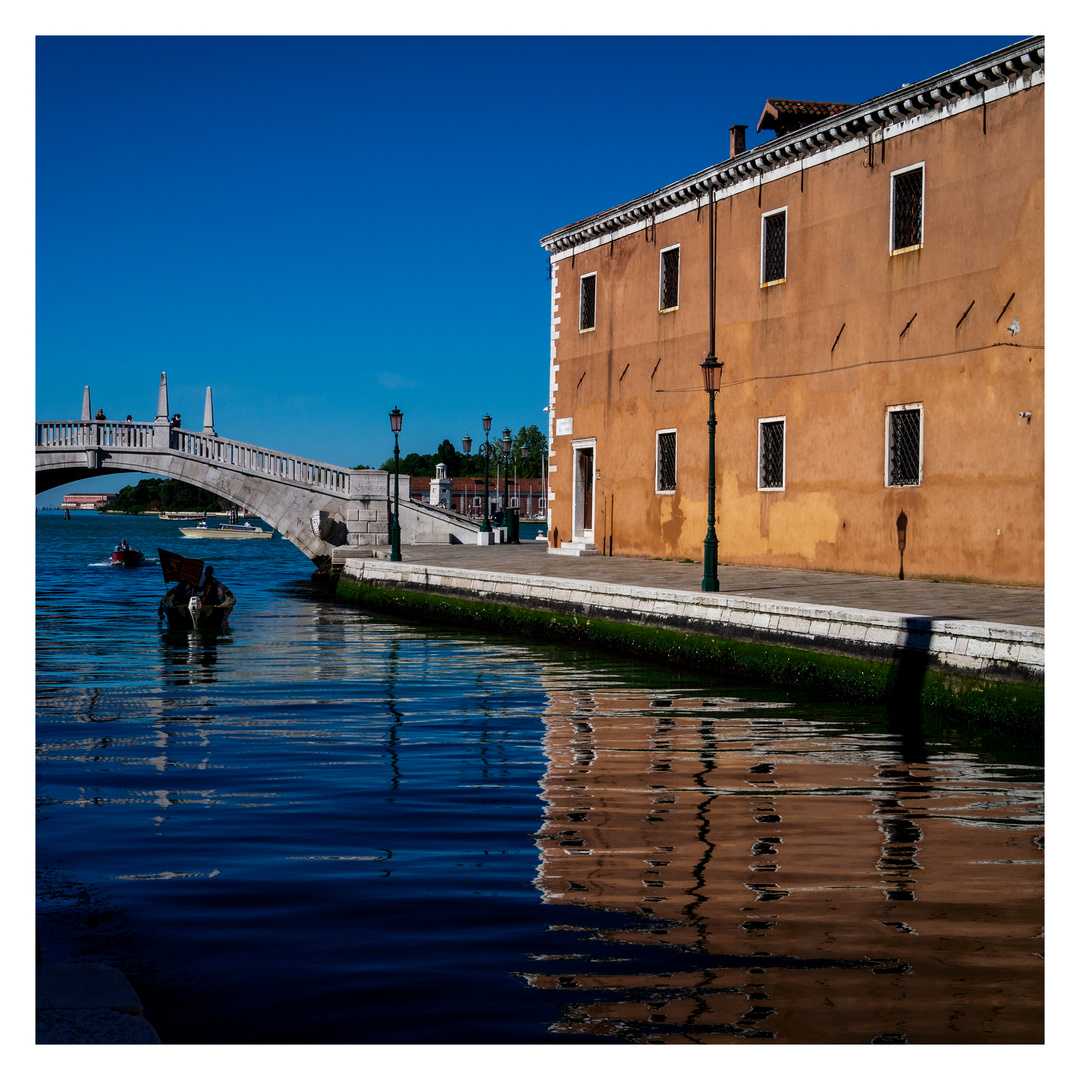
(75, 501)
(465, 495)
(872, 280)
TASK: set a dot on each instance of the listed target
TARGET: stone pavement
(938, 600)
(88, 1003)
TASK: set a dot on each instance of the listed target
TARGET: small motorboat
(123, 555)
(184, 612)
(247, 531)
(198, 601)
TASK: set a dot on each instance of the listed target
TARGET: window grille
(774, 248)
(771, 454)
(665, 461)
(669, 279)
(588, 302)
(905, 447)
(907, 209)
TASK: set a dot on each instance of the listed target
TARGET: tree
(159, 494)
(458, 463)
(535, 443)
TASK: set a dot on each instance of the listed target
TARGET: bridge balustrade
(258, 459)
(119, 434)
(125, 435)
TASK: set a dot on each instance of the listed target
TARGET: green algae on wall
(831, 676)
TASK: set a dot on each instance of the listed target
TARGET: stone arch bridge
(316, 506)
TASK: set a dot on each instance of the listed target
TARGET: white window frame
(888, 440)
(678, 284)
(893, 249)
(765, 283)
(656, 479)
(762, 421)
(581, 303)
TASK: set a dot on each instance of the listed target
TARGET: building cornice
(1017, 66)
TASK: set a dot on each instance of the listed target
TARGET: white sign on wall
(564, 425)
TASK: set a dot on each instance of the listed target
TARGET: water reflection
(806, 884)
(190, 658)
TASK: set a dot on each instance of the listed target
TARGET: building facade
(872, 281)
(86, 501)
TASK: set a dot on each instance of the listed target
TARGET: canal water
(326, 827)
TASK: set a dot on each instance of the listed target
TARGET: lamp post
(395, 525)
(507, 439)
(523, 450)
(466, 446)
(711, 370)
(486, 421)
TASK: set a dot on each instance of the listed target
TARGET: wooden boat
(180, 607)
(126, 556)
(247, 531)
(192, 613)
(178, 515)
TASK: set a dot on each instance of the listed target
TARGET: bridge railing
(129, 435)
(110, 434)
(258, 459)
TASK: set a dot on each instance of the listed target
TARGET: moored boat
(247, 531)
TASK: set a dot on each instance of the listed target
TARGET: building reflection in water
(807, 884)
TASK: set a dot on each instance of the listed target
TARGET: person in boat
(210, 590)
(122, 546)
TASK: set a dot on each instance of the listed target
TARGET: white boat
(247, 531)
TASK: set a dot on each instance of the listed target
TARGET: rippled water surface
(324, 827)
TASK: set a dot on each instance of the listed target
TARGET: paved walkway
(929, 599)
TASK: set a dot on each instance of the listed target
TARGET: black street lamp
(508, 440)
(486, 421)
(395, 525)
(466, 446)
(523, 450)
(711, 370)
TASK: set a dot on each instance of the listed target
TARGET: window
(771, 454)
(665, 462)
(774, 247)
(587, 319)
(669, 278)
(907, 209)
(903, 446)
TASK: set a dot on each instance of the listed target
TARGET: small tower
(86, 414)
(441, 488)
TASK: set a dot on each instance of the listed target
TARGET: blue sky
(323, 228)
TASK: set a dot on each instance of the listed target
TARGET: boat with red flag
(197, 600)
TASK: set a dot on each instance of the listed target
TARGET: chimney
(738, 139)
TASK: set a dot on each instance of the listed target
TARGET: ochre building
(873, 285)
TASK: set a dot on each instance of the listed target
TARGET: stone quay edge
(970, 648)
